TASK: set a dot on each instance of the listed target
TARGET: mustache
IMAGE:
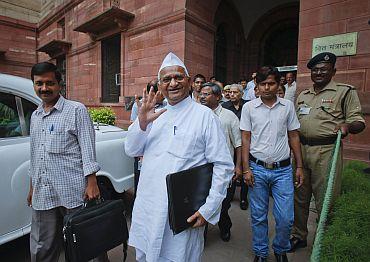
(46, 92)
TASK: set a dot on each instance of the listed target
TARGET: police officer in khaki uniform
(322, 110)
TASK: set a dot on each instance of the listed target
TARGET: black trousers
(136, 174)
(225, 221)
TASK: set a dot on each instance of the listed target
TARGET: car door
(15, 215)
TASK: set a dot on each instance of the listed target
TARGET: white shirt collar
(218, 110)
(257, 102)
(180, 105)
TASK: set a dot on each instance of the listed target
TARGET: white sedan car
(17, 102)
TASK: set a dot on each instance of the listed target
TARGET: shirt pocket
(182, 145)
(328, 112)
(56, 142)
(282, 125)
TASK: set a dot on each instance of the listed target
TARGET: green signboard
(340, 45)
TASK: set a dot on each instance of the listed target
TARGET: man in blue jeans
(269, 130)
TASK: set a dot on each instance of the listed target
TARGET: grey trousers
(46, 238)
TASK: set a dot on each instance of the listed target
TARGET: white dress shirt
(268, 127)
(290, 91)
(247, 95)
(251, 95)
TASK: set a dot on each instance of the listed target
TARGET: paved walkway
(239, 248)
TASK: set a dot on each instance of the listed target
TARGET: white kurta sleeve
(136, 139)
(216, 152)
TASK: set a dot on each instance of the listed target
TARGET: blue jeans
(281, 182)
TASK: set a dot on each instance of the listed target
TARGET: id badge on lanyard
(304, 110)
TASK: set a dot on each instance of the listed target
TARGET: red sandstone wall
(145, 51)
(199, 45)
(18, 39)
(83, 67)
(158, 28)
(329, 17)
(201, 24)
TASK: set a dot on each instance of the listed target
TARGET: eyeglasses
(320, 70)
(47, 83)
(178, 78)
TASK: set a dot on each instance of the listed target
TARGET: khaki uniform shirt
(319, 113)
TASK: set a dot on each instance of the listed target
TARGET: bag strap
(344, 100)
(124, 251)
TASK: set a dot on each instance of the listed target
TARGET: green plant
(347, 235)
(103, 115)
(4, 121)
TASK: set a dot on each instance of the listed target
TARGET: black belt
(282, 163)
(318, 141)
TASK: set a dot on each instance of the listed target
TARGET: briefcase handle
(92, 202)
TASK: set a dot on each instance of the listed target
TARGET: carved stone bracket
(55, 48)
(108, 22)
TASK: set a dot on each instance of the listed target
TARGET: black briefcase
(95, 229)
(187, 191)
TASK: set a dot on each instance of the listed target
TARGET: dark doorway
(111, 67)
(221, 54)
(281, 46)
(273, 39)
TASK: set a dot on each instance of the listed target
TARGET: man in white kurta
(184, 135)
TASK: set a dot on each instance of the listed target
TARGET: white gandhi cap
(172, 60)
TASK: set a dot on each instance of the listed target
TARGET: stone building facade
(109, 49)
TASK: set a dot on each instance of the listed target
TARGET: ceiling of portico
(251, 10)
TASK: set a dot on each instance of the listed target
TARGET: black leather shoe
(296, 243)
(281, 257)
(259, 259)
(225, 236)
(243, 205)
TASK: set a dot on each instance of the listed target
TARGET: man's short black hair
(243, 79)
(154, 84)
(216, 89)
(199, 76)
(212, 77)
(267, 71)
(45, 67)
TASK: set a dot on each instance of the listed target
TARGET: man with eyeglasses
(161, 103)
(323, 109)
(63, 163)
(235, 104)
(183, 135)
(210, 96)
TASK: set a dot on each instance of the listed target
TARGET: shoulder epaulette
(347, 85)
